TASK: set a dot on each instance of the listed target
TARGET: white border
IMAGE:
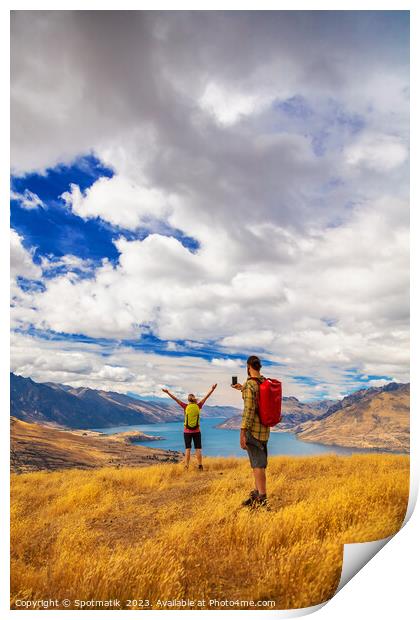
(386, 586)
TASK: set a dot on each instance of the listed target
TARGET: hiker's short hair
(191, 398)
(254, 362)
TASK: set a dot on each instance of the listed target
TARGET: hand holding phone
(235, 384)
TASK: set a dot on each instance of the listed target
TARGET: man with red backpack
(262, 409)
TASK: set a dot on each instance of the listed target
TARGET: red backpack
(269, 401)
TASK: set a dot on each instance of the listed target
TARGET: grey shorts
(257, 451)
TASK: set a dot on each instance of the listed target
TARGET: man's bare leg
(199, 456)
(187, 457)
(260, 480)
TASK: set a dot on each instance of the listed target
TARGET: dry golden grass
(162, 533)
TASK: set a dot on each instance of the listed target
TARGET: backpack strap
(258, 394)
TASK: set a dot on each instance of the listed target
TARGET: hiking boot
(251, 499)
(200, 467)
(261, 502)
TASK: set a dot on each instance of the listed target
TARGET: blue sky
(164, 229)
(55, 230)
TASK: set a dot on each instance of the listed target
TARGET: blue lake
(222, 442)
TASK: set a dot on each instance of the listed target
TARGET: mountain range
(84, 408)
(294, 412)
(376, 418)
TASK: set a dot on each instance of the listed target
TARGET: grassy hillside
(36, 446)
(163, 533)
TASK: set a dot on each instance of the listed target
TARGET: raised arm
(180, 403)
(209, 393)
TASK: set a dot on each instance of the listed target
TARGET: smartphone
(234, 380)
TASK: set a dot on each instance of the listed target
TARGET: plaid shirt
(250, 418)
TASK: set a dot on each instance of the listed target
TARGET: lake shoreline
(368, 450)
(217, 443)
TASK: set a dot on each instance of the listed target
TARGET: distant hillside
(293, 412)
(37, 447)
(374, 418)
(359, 395)
(53, 403)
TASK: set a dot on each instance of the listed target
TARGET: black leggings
(189, 437)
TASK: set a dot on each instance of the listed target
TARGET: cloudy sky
(189, 188)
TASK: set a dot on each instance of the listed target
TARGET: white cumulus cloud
(119, 201)
(21, 262)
